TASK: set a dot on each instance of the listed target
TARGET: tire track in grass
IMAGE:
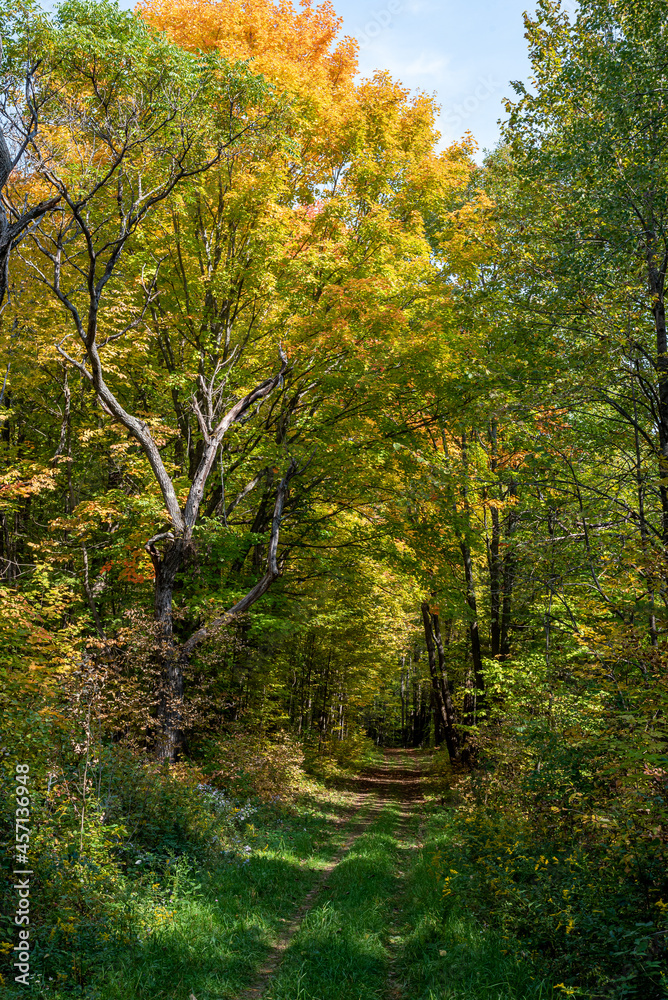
(364, 870)
(408, 845)
(292, 926)
(341, 950)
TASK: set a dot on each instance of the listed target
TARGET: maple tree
(188, 222)
(303, 257)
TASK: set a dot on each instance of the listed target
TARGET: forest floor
(376, 926)
(343, 903)
(338, 896)
(342, 941)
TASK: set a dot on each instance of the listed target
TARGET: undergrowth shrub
(248, 762)
(333, 759)
(115, 839)
(562, 846)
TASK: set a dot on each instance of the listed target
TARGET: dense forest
(327, 451)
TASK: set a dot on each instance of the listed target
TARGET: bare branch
(11, 233)
(213, 442)
(261, 587)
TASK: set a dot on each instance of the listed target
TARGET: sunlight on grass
(341, 948)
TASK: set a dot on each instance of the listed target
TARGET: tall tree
(145, 118)
(593, 135)
(23, 91)
(231, 295)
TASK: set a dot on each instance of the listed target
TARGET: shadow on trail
(340, 950)
(397, 778)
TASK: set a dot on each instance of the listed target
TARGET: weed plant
(164, 888)
(553, 864)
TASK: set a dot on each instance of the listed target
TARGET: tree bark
(509, 568)
(495, 584)
(656, 274)
(493, 555)
(471, 600)
(644, 534)
(174, 658)
(173, 662)
(439, 683)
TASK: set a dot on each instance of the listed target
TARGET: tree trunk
(644, 534)
(493, 557)
(404, 733)
(656, 282)
(495, 584)
(175, 658)
(509, 564)
(471, 600)
(173, 661)
(444, 682)
(506, 608)
(324, 713)
(474, 630)
(439, 685)
(414, 707)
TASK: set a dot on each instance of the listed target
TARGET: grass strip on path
(408, 836)
(340, 951)
(290, 928)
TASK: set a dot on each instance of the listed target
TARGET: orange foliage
(131, 569)
(363, 132)
(352, 190)
(297, 49)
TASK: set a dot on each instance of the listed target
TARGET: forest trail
(387, 791)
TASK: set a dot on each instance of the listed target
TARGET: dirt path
(408, 843)
(397, 780)
(360, 821)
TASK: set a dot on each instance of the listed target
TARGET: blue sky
(463, 52)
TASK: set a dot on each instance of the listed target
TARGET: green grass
(380, 928)
(341, 948)
(182, 926)
(447, 952)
